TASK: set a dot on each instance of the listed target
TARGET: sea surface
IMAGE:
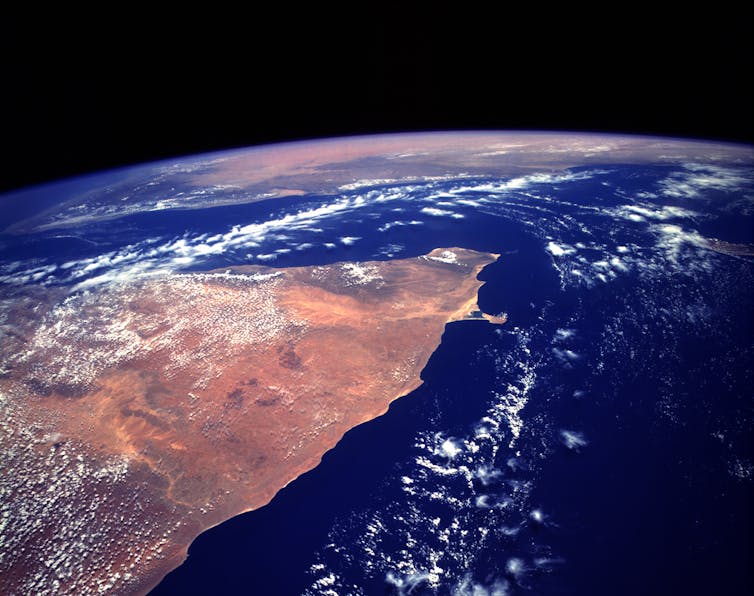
(597, 443)
(647, 504)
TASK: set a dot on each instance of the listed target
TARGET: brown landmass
(135, 417)
(729, 248)
(330, 166)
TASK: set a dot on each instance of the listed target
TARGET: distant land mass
(332, 166)
(144, 413)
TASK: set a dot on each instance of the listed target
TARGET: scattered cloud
(698, 178)
(573, 440)
(434, 211)
(643, 212)
(559, 250)
(563, 334)
(394, 224)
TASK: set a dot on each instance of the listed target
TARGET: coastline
(463, 313)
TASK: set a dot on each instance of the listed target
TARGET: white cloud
(563, 334)
(537, 516)
(487, 475)
(698, 178)
(125, 274)
(406, 584)
(446, 256)
(671, 238)
(393, 224)
(642, 212)
(520, 183)
(154, 255)
(566, 356)
(434, 211)
(450, 448)
(33, 275)
(618, 264)
(515, 567)
(360, 274)
(471, 202)
(559, 250)
(391, 249)
(573, 440)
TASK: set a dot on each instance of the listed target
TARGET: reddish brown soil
(144, 414)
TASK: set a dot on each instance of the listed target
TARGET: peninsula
(141, 414)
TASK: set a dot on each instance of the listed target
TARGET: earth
(468, 363)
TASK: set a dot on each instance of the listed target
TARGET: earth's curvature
(569, 316)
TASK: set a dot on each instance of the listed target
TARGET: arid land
(139, 415)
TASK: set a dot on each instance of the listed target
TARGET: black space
(82, 93)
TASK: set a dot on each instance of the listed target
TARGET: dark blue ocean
(648, 506)
(651, 373)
